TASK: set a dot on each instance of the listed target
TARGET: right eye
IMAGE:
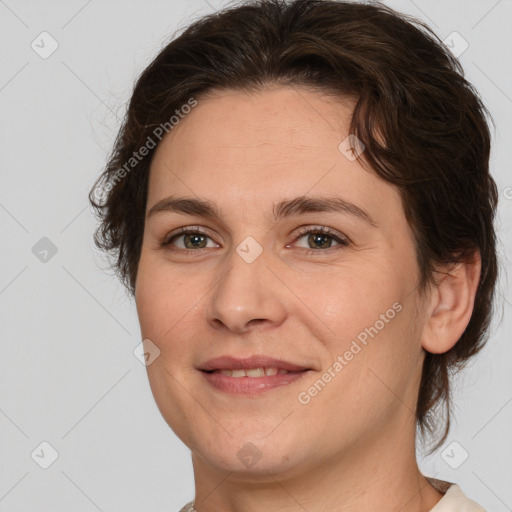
(192, 239)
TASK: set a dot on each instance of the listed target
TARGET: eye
(191, 238)
(320, 239)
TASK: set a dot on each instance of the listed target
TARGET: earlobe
(451, 304)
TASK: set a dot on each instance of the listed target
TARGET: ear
(450, 304)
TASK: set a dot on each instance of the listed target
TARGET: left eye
(321, 238)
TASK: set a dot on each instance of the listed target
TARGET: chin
(252, 454)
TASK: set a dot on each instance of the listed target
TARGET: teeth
(256, 372)
(253, 372)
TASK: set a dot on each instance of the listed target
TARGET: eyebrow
(296, 206)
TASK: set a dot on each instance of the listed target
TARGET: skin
(352, 447)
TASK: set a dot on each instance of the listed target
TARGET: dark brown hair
(423, 125)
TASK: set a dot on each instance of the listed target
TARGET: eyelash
(342, 242)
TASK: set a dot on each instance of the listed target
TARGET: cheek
(354, 298)
(162, 311)
(372, 370)
(370, 314)
(169, 307)
(161, 294)
(148, 299)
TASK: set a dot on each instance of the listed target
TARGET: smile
(253, 372)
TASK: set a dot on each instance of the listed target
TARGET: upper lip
(246, 363)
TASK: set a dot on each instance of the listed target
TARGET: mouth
(252, 375)
(252, 372)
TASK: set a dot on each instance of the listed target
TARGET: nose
(247, 295)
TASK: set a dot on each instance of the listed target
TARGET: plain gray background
(68, 374)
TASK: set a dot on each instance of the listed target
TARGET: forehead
(276, 118)
(240, 148)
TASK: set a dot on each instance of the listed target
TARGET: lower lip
(250, 385)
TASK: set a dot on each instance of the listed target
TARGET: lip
(250, 385)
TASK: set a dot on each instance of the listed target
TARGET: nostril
(256, 321)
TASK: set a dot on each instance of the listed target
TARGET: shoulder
(454, 499)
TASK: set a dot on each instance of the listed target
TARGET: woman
(301, 205)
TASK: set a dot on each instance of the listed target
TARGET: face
(296, 261)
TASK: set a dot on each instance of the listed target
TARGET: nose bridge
(246, 292)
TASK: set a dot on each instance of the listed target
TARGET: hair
(423, 125)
